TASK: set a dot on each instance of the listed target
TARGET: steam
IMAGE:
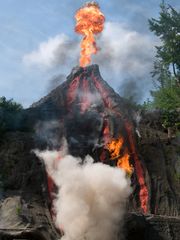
(49, 133)
(91, 197)
(93, 98)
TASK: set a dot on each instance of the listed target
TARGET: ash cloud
(91, 198)
(132, 88)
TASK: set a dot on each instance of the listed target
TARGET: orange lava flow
(89, 22)
(114, 148)
(143, 194)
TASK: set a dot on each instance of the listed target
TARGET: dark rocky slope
(81, 109)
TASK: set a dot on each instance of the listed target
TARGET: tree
(8, 112)
(9, 105)
(166, 72)
(167, 28)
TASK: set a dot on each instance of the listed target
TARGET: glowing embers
(115, 149)
(89, 21)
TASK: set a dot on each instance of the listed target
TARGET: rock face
(88, 113)
(162, 160)
(24, 203)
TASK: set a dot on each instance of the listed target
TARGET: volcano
(95, 121)
(94, 116)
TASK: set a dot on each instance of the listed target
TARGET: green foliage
(166, 72)
(9, 105)
(170, 118)
(167, 28)
(18, 210)
(167, 97)
(8, 113)
(148, 105)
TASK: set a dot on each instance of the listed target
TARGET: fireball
(89, 22)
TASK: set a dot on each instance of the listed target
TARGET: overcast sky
(38, 43)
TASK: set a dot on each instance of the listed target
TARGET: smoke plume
(55, 82)
(125, 56)
(91, 197)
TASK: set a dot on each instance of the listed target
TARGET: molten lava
(90, 21)
(114, 148)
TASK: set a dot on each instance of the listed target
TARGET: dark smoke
(134, 88)
(55, 82)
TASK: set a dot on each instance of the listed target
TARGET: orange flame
(114, 148)
(90, 21)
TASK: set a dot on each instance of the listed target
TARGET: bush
(10, 105)
(9, 110)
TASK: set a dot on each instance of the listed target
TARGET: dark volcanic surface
(88, 113)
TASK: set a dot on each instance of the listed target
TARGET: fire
(90, 21)
(114, 148)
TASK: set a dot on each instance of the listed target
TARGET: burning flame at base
(90, 21)
(114, 148)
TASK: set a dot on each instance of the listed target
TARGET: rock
(24, 211)
(156, 227)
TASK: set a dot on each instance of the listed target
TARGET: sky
(39, 47)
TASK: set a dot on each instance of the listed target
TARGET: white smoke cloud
(125, 56)
(126, 59)
(120, 49)
(91, 198)
(93, 98)
(125, 51)
(46, 132)
(58, 50)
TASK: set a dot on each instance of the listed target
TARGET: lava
(89, 22)
(115, 147)
(123, 162)
(143, 194)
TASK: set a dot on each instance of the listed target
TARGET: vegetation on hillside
(9, 105)
(9, 111)
(166, 71)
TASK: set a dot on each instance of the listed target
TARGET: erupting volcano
(96, 125)
(95, 177)
(95, 122)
